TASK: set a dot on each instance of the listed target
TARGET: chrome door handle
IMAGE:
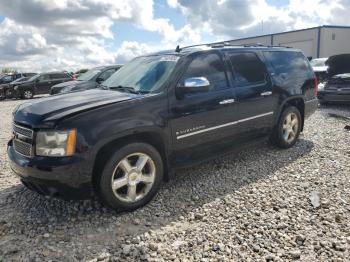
(227, 101)
(268, 93)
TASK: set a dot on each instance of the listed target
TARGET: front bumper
(65, 177)
(334, 96)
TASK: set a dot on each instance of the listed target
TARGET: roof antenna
(177, 49)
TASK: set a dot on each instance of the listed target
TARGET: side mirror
(99, 80)
(195, 85)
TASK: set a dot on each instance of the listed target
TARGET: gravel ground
(262, 204)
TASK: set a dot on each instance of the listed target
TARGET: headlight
(16, 87)
(321, 86)
(55, 143)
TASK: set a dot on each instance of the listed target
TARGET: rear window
(289, 64)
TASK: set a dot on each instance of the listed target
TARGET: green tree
(8, 70)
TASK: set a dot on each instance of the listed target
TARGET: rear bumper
(310, 107)
(333, 96)
(66, 177)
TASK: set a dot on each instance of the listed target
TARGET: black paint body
(73, 86)
(109, 117)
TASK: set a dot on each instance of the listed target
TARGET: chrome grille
(22, 148)
(23, 140)
(23, 131)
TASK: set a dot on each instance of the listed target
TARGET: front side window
(248, 69)
(143, 74)
(209, 66)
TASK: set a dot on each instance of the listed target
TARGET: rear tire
(131, 177)
(288, 128)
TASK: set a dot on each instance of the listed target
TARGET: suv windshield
(89, 75)
(143, 74)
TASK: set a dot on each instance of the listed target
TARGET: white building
(322, 41)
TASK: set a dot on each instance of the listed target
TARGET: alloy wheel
(133, 177)
(28, 94)
(290, 127)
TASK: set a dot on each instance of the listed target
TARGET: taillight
(316, 86)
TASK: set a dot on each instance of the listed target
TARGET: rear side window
(248, 69)
(209, 66)
(58, 76)
(288, 64)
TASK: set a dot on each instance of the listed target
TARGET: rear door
(256, 100)
(43, 83)
(202, 119)
(59, 78)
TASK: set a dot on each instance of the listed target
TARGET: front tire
(131, 177)
(27, 94)
(288, 129)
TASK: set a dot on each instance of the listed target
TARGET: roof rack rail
(227, 43)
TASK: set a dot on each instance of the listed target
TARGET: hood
(2, 86)
(73, 85)
(320, 69)
(69, 83)
(338, 64)
(24, 83)
(44, 112)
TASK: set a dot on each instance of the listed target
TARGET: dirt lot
(258, 205)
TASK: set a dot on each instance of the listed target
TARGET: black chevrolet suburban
(158, 113)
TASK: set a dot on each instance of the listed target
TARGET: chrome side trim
(224, 125)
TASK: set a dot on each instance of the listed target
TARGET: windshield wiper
(129, 89)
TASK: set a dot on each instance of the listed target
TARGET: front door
(256, 100)
(202, 119)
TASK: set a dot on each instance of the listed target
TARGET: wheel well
(104, 153)
(298, 103)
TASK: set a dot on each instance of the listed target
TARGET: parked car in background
(158, 113)
(6, 90)
(8, 78)
(88, 80)
(40, 84)
(320, 68)
(336, 87)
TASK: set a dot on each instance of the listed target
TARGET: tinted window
(106, 74)
(248, 69)
(44, 77)
(7, 78)
(58, 76)
(288, 64)
(209, 66)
